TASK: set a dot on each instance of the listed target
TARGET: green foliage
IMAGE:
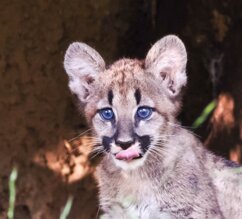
(12, 197)
(204, 115)
(66, 210)
(12, 192)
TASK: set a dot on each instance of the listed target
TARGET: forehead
(124, 83)
(124, 76)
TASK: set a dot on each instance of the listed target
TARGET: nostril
(124, 144)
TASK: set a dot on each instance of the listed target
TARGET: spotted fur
(173, 175)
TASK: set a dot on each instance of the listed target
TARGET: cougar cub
(152, 167)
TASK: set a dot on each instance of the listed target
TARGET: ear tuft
(167, 60)
(82, 64)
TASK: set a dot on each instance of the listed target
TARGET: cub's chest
(138, 196)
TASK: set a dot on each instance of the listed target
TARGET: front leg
(131, 211)
(133, 216)
(119, 211)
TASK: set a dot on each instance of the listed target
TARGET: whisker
(77, 148)
(96, 154)
(154, 154)
(72, 139)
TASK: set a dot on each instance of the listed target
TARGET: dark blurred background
(37, 114)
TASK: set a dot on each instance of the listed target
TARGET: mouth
(128, 155)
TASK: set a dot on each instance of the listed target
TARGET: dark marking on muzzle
(144, 142)
(106, 141)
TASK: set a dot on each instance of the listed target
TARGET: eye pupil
(144, 112)
(107, 114)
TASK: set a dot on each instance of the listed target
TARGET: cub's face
(131, 104)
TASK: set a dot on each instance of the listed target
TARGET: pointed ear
(167, 60)
(82, 64)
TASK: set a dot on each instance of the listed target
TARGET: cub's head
(131, 103)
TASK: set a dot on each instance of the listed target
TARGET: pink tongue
(128, 154)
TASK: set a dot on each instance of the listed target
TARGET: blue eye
(144, 112)
(107, 114)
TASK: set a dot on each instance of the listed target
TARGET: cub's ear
(167, 60)
(82, 64)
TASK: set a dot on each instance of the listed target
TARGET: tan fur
(175, 176)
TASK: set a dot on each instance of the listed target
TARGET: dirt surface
(37, 114)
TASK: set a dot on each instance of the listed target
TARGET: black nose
(124, 144)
